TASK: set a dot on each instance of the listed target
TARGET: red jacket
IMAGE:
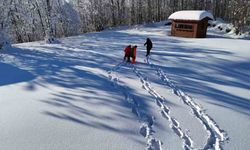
(127, 51)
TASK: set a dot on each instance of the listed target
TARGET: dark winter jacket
(149, 43)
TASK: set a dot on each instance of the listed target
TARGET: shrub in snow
(237, 31)
(209, 24)
(99, 28)
(50, 39)
(4, 41)
(212, 23)
(168, 23)
(220, 28)
(234, 31)
(228, 30)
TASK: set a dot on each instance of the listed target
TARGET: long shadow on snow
(66, 68)
(84, 116)
(11, 74)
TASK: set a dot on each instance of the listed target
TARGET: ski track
(165, 111)
(217, 136)
(146, 128)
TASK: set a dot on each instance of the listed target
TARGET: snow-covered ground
(79, 94)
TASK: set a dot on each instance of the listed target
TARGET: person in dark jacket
(149, 46)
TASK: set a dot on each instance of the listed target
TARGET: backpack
(132, 52)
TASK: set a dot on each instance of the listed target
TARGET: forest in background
(33, 20)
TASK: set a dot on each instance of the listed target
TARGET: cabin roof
(196, 15)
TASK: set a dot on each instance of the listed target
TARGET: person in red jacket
(133, 53)
(127, 52)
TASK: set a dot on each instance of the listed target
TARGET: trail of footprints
(217, 136)
(147, 121)
(165, 111)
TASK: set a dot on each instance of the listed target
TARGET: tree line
(32, 20)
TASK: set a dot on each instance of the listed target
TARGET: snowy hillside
(79, 94)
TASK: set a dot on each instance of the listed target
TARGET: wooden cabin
(192, 24)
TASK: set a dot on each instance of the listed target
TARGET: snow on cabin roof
(190, 15)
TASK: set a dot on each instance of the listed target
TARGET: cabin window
(184, 26)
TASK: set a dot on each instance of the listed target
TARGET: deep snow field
(80, 95)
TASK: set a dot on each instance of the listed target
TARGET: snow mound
(228, 29)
